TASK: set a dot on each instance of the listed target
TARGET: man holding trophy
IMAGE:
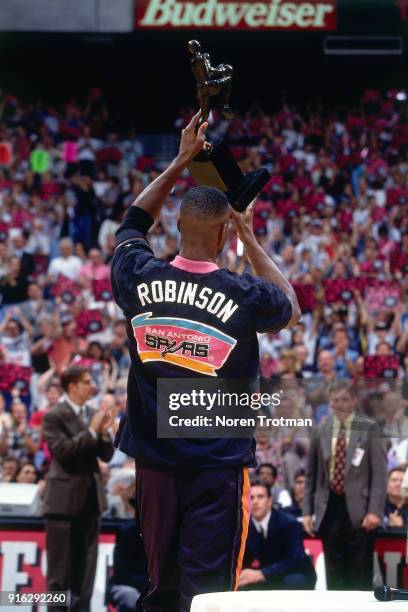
(192, 494)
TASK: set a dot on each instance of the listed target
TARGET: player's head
(204, 218)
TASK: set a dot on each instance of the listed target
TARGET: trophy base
(218, 168)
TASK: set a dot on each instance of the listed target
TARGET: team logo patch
(188, 344)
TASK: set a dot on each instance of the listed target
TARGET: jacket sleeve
(60, 444)
(294, 555)
(105, 449)
(311, 477)
(378, 469)
(136, 224)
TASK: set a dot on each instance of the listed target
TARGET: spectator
(66, 264)
(53, 395)
(36, 308)
(319, 385)
(64, 346)
(19, 249)
(268, 451)
(121, 492)
(5, 418)
(4, 259)
(15, 335)
(344, 520)
(304, 369)
(48, 332)
(95, 268)
(9, 468)
(395, 426)
(19, 441)
(288, 365)
(344, 357)
(298, 494)
(14, 285)
(268, 474)
(274, 556)
(27, 474)
(381, 333)
(396, 510)
(326, 366)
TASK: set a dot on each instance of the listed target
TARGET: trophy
(217, 167)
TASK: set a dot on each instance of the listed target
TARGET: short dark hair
(53, 384)
(204, 201)
(270, 466)
(21, 468)
(341, 384)
(300, 472)
(74, 374)
(398, 468)
(9, 458)
(261, 483)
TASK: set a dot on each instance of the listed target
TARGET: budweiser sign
(236, 14)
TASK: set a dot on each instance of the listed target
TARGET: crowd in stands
(334, 216)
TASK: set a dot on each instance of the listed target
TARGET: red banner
(236, 14)
(23, 564)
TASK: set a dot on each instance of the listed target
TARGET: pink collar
(188, 265)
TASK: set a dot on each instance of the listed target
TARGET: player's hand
(308, 525)
(244, 222)
(370, 522)
(192, 142)
(250, 576)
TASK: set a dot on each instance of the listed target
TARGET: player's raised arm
(261, 262)
(153, 197)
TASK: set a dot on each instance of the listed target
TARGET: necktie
(83, 415)
(337, 483)
(262, 531)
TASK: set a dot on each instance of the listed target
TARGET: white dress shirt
(262, 526)
(69, 267)
(80, 411)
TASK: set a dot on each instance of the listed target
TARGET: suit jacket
(365, 484)
(280, 553)
(74, 466)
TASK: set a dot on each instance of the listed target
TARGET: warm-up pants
(194, 527)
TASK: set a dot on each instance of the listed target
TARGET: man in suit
(274, 555)
(74, 495)
(345, 490)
